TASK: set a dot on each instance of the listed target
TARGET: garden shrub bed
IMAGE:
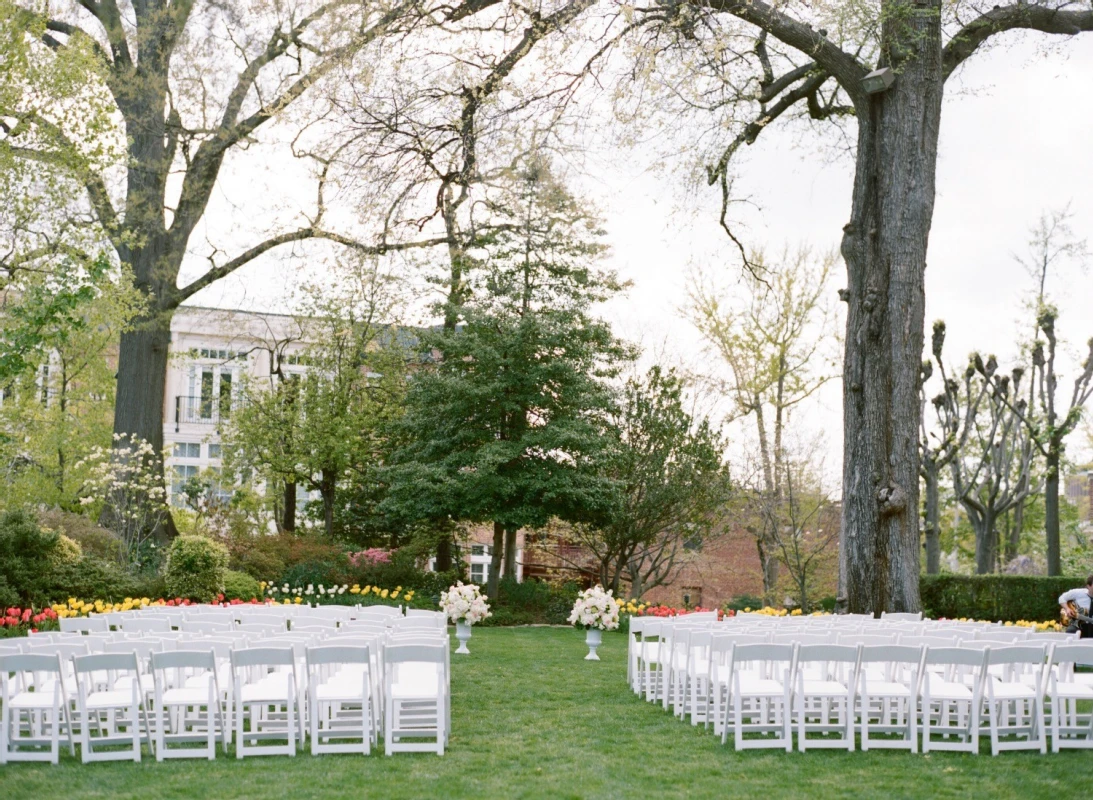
(1006, 598)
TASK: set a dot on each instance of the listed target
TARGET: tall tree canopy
(507, 424)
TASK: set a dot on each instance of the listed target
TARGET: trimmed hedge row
(1006, 598)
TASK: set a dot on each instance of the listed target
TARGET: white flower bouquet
(464, 603)
(595, 608)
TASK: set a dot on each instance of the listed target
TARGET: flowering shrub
(370, 557)
(595, 608)
(342, 594)
(638, 609)
(464, 603)
(126, 477)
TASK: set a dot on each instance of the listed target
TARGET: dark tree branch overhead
(1044, 19)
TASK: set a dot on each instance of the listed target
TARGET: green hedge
(1007, 598)
(195, 568)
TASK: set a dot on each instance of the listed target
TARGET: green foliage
(25, 556)
(195, 568)
(994, 597)
(267, 557)
(93, 539)
(669, 482)
(508, 424)
(67, 551)
(740, 602)
(240, 586)
(91, 578)
(316, 431)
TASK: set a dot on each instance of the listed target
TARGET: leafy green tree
(508, 423)
(320, 428)
(59, 346)
(669, 486)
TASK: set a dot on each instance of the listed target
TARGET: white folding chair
(1071, 725)
(415, 697)
(145, 624)
(720, 672)
(953, 680)
(22, 680)
(340, 699)
(109, 707)
(889, 677)
(178, 705)
(908, 616)
(1015, 698)
(83, 624)
(264, 680)
(419, 623)
(830, 689)
(762, 688)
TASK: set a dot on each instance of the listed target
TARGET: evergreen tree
(508, 422)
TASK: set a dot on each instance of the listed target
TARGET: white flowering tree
(125, 479)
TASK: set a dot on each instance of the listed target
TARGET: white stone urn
(593, 637)
(463, 634)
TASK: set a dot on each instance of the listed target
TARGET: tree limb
(1013, 17)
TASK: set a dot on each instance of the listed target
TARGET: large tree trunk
(768, 564)
(493, 581)
(1051, 512)
(884, 246)
(444, 553)
(142, 380)
(510, 553)
(327, 489)
(288, 523)
(933, 519)
(986, 545)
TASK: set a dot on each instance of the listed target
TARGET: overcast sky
(1016, 141)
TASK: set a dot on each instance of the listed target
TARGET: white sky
(1016, 141)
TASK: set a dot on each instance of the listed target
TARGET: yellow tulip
(383, 594)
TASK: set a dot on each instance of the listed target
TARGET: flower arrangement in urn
(596, 611)
(464, 605)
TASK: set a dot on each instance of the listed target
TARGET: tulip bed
(531, 719)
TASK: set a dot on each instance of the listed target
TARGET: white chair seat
(265, 691)
(946, 690)
(112, 698)
(815, 688)
(886, 688)
(760, 687)
(29, 701)
(1013, 691)
(422, 688)
(1073, 691)
(192, 696)
(340, 692)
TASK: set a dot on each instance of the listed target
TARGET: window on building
(692, 596)
(478, 549)
(478, 573)
(225, 393)
(182, 473)
(187, 450)
(206, 408)
(214, 451)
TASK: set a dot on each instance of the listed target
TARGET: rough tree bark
(493, 580)
(884, 247)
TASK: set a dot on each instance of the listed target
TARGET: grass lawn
(532, 719)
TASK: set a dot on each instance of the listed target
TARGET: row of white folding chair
(950, 689)
(190, 690)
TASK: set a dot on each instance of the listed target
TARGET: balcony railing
(201, 410)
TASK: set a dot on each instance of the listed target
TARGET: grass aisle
(533, 720)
